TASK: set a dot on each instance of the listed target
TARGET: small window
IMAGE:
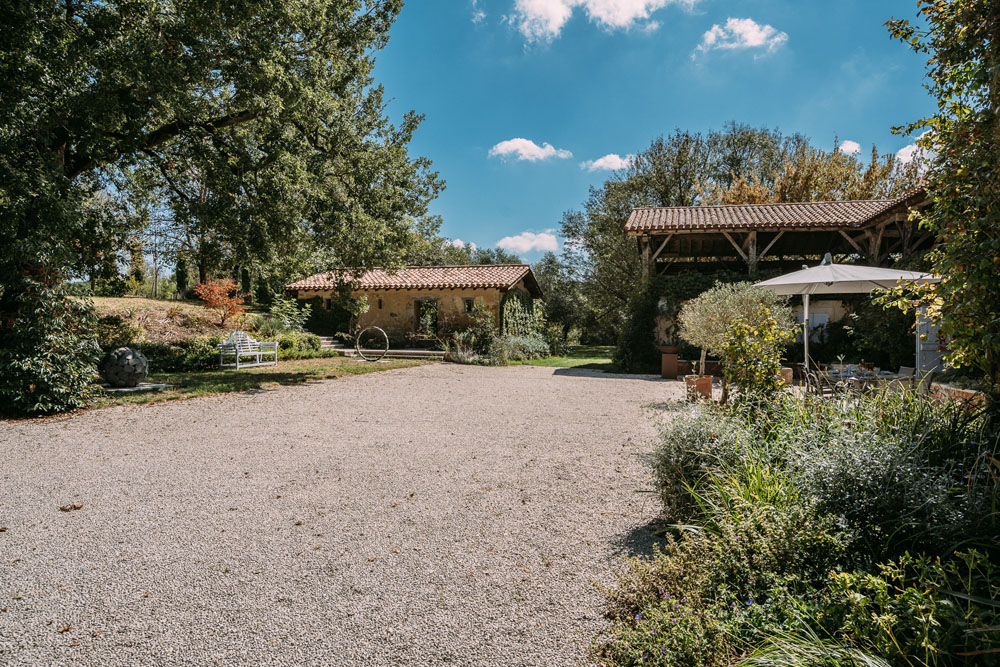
(469, 305)
(327, 303)
(380, 304)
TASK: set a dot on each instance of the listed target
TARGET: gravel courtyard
(434, 515)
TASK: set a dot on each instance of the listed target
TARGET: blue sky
(578, 80)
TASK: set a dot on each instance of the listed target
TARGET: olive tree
(705, 321)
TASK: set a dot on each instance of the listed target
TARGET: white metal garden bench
(240, 346)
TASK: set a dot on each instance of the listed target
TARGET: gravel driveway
(437, 514)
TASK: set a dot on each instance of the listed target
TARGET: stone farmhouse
(420, 300)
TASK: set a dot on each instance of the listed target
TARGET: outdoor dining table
(860, 380)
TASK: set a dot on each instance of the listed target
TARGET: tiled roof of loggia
(765, 216)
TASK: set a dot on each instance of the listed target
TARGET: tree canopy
(962, 40)
(256, 126)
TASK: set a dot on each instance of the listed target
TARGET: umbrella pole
(805, 328)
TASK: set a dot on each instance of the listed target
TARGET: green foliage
(919, 610)
(480, 342)
(180, 356)
(297, 345)
(708, 319)
(262, 148)
(959, 37)
(702, 598)
(48, 354)
(266, 328)
(752, 351)
(818, 532)
(522, 348)
(522, 316)
(661, 297)
(113, 331)
(289, 313)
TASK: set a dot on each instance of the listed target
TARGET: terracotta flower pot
(698, 387)
(788, 376)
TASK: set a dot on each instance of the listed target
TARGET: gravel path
(437, 514)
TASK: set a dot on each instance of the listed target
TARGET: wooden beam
(644, 244)
(771, 244)
(752, 259)
(875, 245)
(662, 246)
(735, 245)
(851, 241)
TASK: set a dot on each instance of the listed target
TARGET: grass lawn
(221, 381)
(596, 357)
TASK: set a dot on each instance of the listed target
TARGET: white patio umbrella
(830, 278)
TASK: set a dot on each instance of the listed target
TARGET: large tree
(266, 109)
(962, 140)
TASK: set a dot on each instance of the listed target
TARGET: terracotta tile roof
(766, 216)
(501, 276)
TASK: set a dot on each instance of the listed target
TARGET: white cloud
(478, 15)
(907, 154)
(849, 147)
(742, 34)
(529, 241)
(525, 149)
(544, 19)
(459, 243)
(610, 162)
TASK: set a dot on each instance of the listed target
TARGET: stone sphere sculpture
(124, 367)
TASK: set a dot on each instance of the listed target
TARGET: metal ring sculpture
(357, 344)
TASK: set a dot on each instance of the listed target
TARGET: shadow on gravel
(583, 372)
(640, 541)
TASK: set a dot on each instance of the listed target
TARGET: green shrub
(265, 328)
(522, 348)
(181, 356)
(919, 610)
(797, 523)
(702, 598)
(899, 471)
(289, 313)
(113, 331)
(48, 354)
(298, 345)
(751, 352)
